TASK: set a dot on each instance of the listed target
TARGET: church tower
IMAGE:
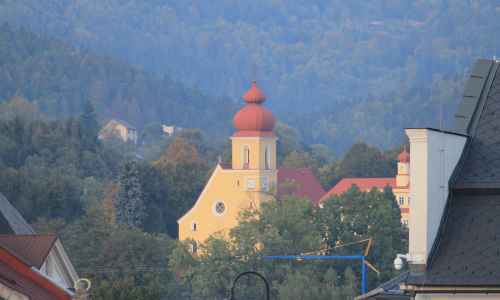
(250, 180)
(254, 143)
(403, 175)
(402, 189)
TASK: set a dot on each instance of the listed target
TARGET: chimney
(434, 155)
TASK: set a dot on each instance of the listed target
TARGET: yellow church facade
(250, 180)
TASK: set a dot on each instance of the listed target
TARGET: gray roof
(388, 290)
(467, 249)
(11, 221)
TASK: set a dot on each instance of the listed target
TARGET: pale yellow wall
(232, 188)
(238, 188)
(114, 128)
(405, 193)
(403, 175)
(257, 146)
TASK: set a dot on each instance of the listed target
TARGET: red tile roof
(364, 184)
(299, 182)
(254, 94)
(17, 275)
(32, 249)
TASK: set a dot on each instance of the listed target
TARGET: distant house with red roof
(299, 182)
(400, 185)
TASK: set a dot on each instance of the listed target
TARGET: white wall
(10, 294)
(434, 155)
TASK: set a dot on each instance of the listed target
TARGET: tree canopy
(338, 71)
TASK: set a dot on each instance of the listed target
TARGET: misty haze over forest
(336, 71)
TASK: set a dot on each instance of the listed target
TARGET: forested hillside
(339, 71)
(58, 79)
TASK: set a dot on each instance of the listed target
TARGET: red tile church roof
(364, 184)
(299, 182)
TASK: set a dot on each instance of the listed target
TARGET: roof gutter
(451, 289)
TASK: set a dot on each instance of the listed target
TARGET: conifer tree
(129, 205)
(89, 127)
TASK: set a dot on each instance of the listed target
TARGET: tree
(288, 140)
(357, 215)
(184, 173)
(280, 226)
(20, 108)
(122, 263)
(130, 210)
(89, 127)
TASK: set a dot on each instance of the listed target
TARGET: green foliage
(89, 127)
(45, 170)
(355, 215)
(64, 81)
(350, 70)
(122, 263)
(292, 226)
(129, 205)
(361, 160)
(185, 175)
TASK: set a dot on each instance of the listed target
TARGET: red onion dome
(404, 156)
(254, 117)
(254, 94)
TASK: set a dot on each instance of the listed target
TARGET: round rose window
(219, 208)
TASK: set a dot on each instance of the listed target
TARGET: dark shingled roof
(32, 249)
(467, 249)
(388, 290)
(11, 221)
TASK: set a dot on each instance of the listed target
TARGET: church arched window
(246, 157)
(267, 158)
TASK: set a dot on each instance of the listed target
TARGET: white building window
(401, 200)
(219, 208)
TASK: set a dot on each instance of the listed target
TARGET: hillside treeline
(58, 79)
(116, 213)
(338, 71)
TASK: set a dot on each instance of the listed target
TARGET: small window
(408, 200)
(194, 226)
(219, 208)
(250, 184)
(246, 157)
(401, 200)
(264, 183)
(267, 158)
(405, 222)
(193, 247)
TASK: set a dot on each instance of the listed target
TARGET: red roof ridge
(31, 274)
(363, 183)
